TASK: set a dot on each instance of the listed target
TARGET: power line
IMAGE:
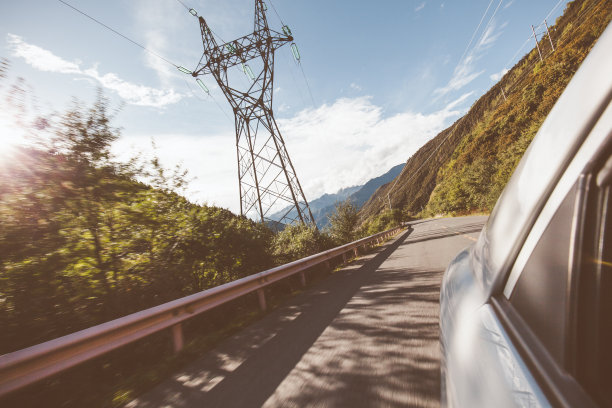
(184, 5)
(484, 32)
(194, 13)
(450, 133)
(299, 63)
(276, 12)
(526, 71)
(290, 68)
(141, 46)
(553, 9)
(118, 33)
(529, 39)
(195, 93)
(314, 105)
(475, 31)
(461, 59)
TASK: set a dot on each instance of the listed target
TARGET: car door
(556, 302)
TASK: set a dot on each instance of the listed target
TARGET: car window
(563, 294)
(594, 329)
(540, 294)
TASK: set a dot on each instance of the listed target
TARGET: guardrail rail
(24, 367)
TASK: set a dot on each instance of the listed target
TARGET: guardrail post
(328, 266)
(302, 278)
(344, 258)
(262, 299)
(177, 337)
(356, 252)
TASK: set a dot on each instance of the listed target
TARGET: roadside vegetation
(85, 239)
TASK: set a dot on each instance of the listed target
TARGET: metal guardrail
(27, 366)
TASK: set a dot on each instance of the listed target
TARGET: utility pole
(536, 41)
(549, 38)
(266, 176)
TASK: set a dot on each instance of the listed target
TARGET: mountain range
(322, 207)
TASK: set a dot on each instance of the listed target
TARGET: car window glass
(594, 355)
(540, 294)
(605, 307)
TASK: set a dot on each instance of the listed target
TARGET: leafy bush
(83, 242)
(299, 241)
(382, 222)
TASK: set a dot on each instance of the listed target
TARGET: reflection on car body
(525, 313)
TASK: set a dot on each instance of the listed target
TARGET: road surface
(365, 336)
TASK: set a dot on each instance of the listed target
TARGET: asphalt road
(365, 336)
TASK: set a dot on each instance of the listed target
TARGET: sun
(11, 137)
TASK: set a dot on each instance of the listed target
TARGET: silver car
(526, 312)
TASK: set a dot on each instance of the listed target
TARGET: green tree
(343, 222)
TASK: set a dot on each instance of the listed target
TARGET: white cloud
(465, 71)
(350, 139)
(39, 58)
(353, 141)
(134, 94)
(419, 7)
(159, 26)
(463, 74)
(498, 75)
(356, 87)
(211, 162)
(458, 101)
(489, 36)
(508, 4)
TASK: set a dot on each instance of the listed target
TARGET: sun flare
(11, 137)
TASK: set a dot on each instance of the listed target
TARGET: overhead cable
(118, 33)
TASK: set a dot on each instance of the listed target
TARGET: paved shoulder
(366, 336)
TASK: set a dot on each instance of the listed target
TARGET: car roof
(560, 136)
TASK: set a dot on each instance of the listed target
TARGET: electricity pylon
(266, 176)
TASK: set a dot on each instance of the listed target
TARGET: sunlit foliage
(82, 242)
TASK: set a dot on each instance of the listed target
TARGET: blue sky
(385, 77)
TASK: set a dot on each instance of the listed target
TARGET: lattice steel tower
(265, 173)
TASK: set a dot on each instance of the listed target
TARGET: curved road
(365, 336)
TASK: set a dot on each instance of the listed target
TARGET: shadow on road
(322, 347)
(445, 233)
(259, 376)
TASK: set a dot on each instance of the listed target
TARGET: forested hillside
(465, 167)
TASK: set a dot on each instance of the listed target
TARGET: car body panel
(485, 368)
(481, 367)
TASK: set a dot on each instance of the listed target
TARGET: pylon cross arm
(240, 50)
